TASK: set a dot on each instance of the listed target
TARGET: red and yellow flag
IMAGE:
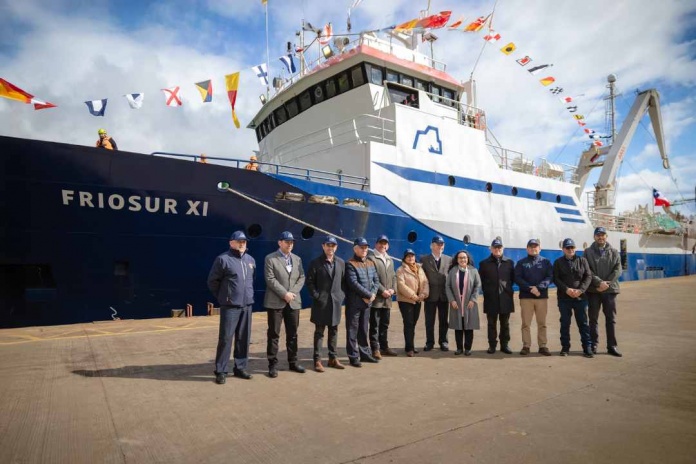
(232, 83)
(13, 92)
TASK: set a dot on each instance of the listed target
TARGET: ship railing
(365, 128)
(619, 223)
(512, 160)
(337, 178)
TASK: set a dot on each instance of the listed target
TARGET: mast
(610, 110)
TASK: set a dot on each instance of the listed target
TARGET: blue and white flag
(135, 100)
(289, 63)
(97, 107)
(262, 73)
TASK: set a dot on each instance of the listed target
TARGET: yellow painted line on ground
(102, 334)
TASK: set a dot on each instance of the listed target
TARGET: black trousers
(319, 340)
(441, 308)
(379, 326)
(233, 322)
(493, 329)
(464, 337)
(410, 312)
(607, 301)
(292, 320)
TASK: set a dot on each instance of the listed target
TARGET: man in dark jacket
(605, 264)
(362, 283)
(572, 276)
(497, 276)
(435, 266)
(533, 275)
(380, 311)
(231, 281)
(326, 285)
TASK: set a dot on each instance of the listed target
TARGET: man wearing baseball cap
(325, 284)
(231, 281)
(605, 264)
(380, 311)
(533, 275)
(362, 284)
(284, 280)
(497, 274)
(572, 277)
(435, 266)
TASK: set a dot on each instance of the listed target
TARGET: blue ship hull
(88, 233)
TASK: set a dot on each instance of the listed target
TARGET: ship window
(412, 236)
(291, 106)
(489, 187)
(451, 180)
(307, 233)
(467, 239)
(558, 198)
(421, 85)
(538, 195)
(254, 230)
(358, 76)
(263, 130)
(280, 115)
(343, 82)
(271, 122)
(305, 101)
(318, 93)
(449, 95)
(121, 268)
(514, 191)
(436, 91)
(376, 75)
(258, 134)
(330, 88)
(392, 76)
(267, 126)
(407, 80)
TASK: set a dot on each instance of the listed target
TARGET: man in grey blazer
(435, 266)
(380, 311)
(284, 280)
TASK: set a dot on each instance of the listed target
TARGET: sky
(71, 51)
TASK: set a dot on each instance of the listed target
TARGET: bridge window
(358, 76)
(449, 97)
(330, 88)
(421, 85)
(291, 106)
(436, 91)
(376, 75)
(318, 94)
(280, 115)
(407, 80)
(392, 76)
(343, 82)
(305, 101)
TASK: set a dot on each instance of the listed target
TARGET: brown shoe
(376, 354)
(545, 351)
(524, 351)
(318, 367)
(390, 352)
(336, 364)
(410, 354)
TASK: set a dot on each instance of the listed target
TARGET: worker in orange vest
(105, 141)
(252, 165)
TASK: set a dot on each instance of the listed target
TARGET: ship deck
(143, 391)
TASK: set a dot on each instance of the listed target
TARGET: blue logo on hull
(436, 139)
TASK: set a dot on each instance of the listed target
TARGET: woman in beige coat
(462, 288)
(411, 289)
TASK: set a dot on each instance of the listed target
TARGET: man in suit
(380, 311)
(325, 284)
(362, 283)
(231, 280)
(497, 276)
(435, 266)
(284, 280)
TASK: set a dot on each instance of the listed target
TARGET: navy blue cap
(533, 242)
(330, 239)
(238, 235)
(360, 241)
(568, 243)
(437, 239)
(383, 238)
(286, 236)
(409, 251)
(600, 230)
(497, 243)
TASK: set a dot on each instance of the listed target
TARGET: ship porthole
(451, 180)
(558, 198)
(307, 233)
(489, 187)
(467, 239)
(538, 195)
(514, 191)
(412, 237)
(223, 186)
(254, 230)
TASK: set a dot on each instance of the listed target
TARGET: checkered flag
(556, 90)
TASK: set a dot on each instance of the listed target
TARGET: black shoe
(220, 378)
(273, 372)
(368, 359)
(297, 368)
(458, 352)
(355, 362)
(505, 349)
(467, 352)
(594, 349)
(565, 352)
(444, 347)
(241, 373)
(587, 352)
(427, 348)
(614, 352)
(491, 349)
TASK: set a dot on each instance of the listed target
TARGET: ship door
(27, 293)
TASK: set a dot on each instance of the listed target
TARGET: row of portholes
(255, 230)
(489, 188)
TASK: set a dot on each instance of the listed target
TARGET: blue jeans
(233, 322)
(566, 308)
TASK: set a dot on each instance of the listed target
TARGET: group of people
(448, 287)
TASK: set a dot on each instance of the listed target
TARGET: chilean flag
(659, 200)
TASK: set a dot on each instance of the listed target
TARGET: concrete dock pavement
(143, 391)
